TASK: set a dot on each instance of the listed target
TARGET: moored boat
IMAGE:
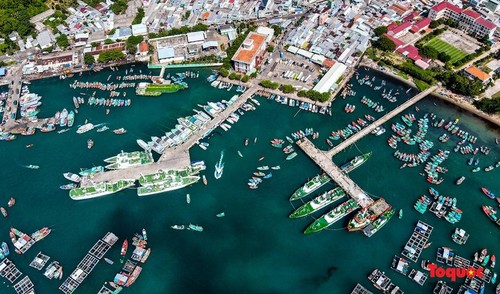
(120, 131)
(491, 213)
(109, 261)
(368, 214)
(4, 212)
(460, 180)
(488, 193)
(376, 225)
(178, 227)
(318, 203)
(124, 248)
(11, 202)
(72, 177)
(331, 217)
(311, 186)
(355, 162)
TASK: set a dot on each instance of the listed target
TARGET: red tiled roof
(410, 51)
(411, 16)
(247, 55)
(421, 24)
(471, 13)
(328, 62)
(401, 27)
(396, 41)
(446, 5)
(476, 72)
(392, 26)
(486, 23)
(399, 9)
(143, 47)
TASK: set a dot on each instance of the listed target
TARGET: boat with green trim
(171, 183)
(149, 89)
(378, 223)
(355, 162)
(162, 175)
(491, 213)
(311, 186)
(100, 189)
(129, 159)
(331, 217)
(318, 203)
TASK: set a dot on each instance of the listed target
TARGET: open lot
(460, 40)
(442, 46)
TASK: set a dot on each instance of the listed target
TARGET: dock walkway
(353, 139)
(15, 86)
(324, 161)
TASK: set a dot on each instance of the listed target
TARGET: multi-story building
(468, 19)
(251, 53)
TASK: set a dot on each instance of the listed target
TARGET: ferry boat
(318, 203)
(488, 193)
(72, 177)
(355, 163)
(164, 181)
(178, 227)
(492, 214)
(460, 180)
(100, 189)
(311, 186)
(129, 159)
(219, 167)
(378, 223)
(368, 214)
(331, 217)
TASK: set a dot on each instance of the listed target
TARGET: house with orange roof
(476, 73)
(251, 53)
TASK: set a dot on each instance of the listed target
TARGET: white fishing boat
(219, 167)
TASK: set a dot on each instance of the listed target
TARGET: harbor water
(255, 248)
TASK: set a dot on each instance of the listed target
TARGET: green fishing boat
(100, 189)
(318, 203)
(311, 186)
(148, 89)
(332, 216)
(355, 162)
(376, 225)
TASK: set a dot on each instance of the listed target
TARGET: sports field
(442, 46)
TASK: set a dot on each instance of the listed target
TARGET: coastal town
(416, 74)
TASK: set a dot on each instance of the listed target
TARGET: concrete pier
(354, 138)
(15, 86)
(326, 164)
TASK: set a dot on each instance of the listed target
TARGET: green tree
(429, 52)
(62, 41)
(119, 6)
(108, 41)
(223, 72)
(277, 30)
(314, 95)
(434, 24)
(139, 16)
(270, 48)
(245, 78)
(186, 15)
(269, 84)
(132, 42)
(95, 44)
(385, 44)
(488, 105)
(88, 59)
(444, 57)
(112, 31)
(379, 31)
(110, 55)
(287, 88)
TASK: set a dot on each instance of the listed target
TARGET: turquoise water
(255, 248)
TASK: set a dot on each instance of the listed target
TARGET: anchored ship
(378, 223)
(368, 214)
(100, 189)
(318, 203)
(331, 217)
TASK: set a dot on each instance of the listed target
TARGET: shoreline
(489, 118)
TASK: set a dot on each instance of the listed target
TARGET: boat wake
(219, 167)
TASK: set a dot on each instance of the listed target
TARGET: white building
(331, 77)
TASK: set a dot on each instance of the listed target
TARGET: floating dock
(359, 289)
(418, 277)
(39, 261)
(418, 239)
(25, 286)
(442, 288)
(400, 265)
(461, 262)
(85, 267)
(445, 255)
(383, 283)
(9, 270)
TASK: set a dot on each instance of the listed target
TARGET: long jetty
(333, 171)
(353, 139)
(174, 157)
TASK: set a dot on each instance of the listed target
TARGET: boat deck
(39, 261)
(332, 170)
(24, 286)
(88, 263)
(418, 239)
(359, 289)
(400, 265)
(379, 207)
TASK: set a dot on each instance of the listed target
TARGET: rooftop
(247, 55)
(486, 23)
(446, 5)
(471, 13)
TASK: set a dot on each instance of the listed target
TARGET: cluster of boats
(260, 175)
(101, 86)
(109, 102)
(352, 128)
(433, 168)
(373, 105)
(134, 77)
(22, 242)
(11, 203)
(301, 105)
(164, 181)
(278, 143)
